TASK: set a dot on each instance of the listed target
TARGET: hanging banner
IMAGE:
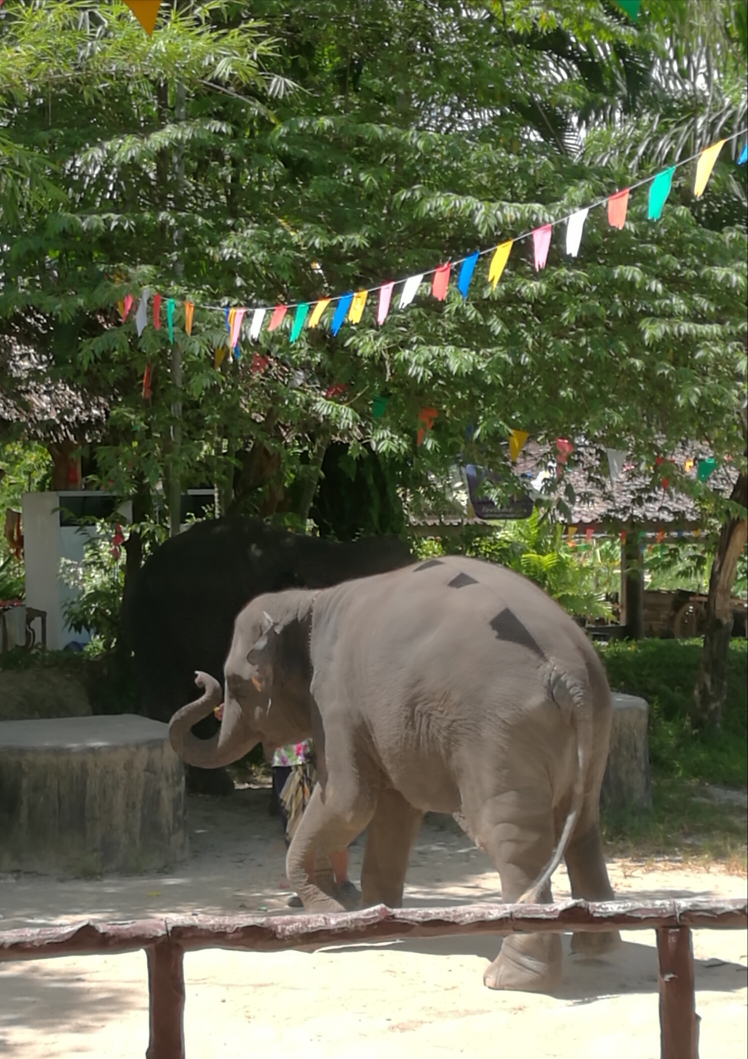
(298, 321)
(357, 306)
(706, 468)
(410, 290)
(236, 326)
(498, 262)
(616, 458)
(385, 296)
(170, 318)
(126, 306)
(278, 313)
(440, 282)
(466, 273)
(574, 229)
(427, 417)
(146, 12)
(341, 311)
(156, 311)
(743, 155)
(141, 313)
(541, 241)
(317, 311)
(659, 190)
(517, 505)
(379, 406)
(517, 439)
(256, 326)
(704, 167)
(189, 310)
(617, 206)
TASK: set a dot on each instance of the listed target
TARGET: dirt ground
(405, 1000)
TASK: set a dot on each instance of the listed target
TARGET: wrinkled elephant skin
(453, 686)
(180, 614)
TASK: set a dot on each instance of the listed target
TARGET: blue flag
(466, 274)
(743, 155)
(341, 311)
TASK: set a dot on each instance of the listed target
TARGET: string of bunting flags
(249, 322)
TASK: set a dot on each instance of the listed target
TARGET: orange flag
(189, 309)
(617, 206)
(146, 12)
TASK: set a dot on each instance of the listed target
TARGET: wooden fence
(166, 940)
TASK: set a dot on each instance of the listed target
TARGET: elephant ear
(261, 654)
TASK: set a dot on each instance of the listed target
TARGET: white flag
(615, 462)
(574, 228)
(257, 317)
(141, 314)
(410, 290)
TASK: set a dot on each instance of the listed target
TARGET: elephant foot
(349, 896)
(595, 944)
(321, 904)
(529, 962)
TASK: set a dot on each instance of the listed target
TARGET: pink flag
(126, 306)
(441, 281)
(541, 240)
(236, 326)
(385, 296)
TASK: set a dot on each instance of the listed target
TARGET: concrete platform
(86, 795)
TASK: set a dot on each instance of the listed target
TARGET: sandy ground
(403, 1000)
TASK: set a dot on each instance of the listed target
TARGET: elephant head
(266, 690)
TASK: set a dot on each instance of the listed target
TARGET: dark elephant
(453, 686)
(180, 613)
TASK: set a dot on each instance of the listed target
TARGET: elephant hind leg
(516, 830)
(589, 881)
(389, 838)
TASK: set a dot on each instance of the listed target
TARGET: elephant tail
(571, 695)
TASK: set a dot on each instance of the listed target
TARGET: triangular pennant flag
(317, 311)
(228, 315)
(615, 463)
(617, 206)
(409, 291)
(588, 533)
(385, 296)
(298, 321)
(704, 167)
(427, 417)
(659, 190)
(564, 449)
(189, 310)
(278, 313)
(379, 406)
(141, 314)
(341, 311)
(498, 262)
(570, 531)
(126, 304)
(466, 274)
(440, 281)
(156, 310)
(705, 468)
(257, 317)
(357, 306)
(170, 318)
(743, 155)
(517, 439)
(574, 229)
(631, 7)
(147, 382)
(219, 355)
(541, 240)
(236, 326)
(146, 12)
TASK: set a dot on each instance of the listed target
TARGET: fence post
(166, 1000)
(679, 1029)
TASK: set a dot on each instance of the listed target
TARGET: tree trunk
(632, 586)
(711, 682)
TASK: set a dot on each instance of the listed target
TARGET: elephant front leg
(388, 842)
(326, 827)
(516, 830)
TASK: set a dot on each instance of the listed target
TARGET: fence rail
(166, 940)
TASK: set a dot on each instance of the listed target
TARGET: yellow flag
(517, 439)
(498, 261)
(146, 12)
(357, 306)
(704, 167)
(317, 311)
(219, 355)
(570, 531)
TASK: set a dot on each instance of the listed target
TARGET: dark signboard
(518, 505)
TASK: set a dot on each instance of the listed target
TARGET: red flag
(617, 206)
(335, 390)
(157, 311)
(259, 363)
(278, 313)
(427, 417)
(441, 281)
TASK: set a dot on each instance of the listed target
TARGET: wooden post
(632, 586)
(166, 1000)
(679, 1031)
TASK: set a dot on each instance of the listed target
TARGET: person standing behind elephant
(294, 776)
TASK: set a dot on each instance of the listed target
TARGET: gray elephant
(453, 686)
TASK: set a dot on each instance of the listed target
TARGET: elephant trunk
(230, 742)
